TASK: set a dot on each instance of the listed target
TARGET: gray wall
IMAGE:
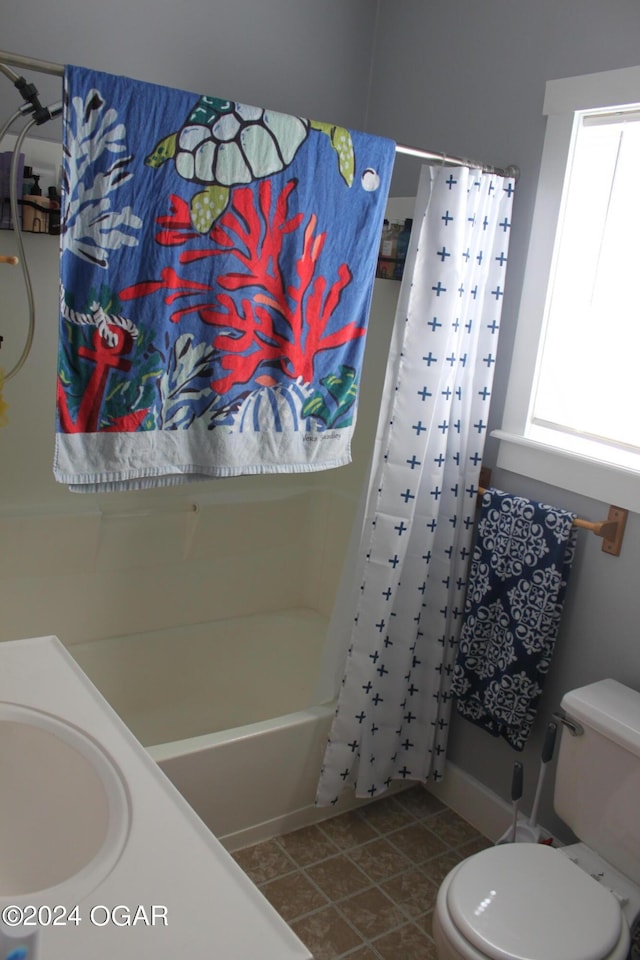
(468, 77)
(461, 76)
(300, 56)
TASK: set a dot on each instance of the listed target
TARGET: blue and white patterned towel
(217, 264)
(517, 584)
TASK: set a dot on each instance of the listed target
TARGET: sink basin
(64, 809)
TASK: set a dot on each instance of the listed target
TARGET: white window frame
(590, 474)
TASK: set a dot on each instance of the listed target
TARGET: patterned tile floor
(363, 885)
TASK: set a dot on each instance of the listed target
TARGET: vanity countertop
(207, 908)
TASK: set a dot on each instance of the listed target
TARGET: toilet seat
(528, 902)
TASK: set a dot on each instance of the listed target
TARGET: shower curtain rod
(42, 66)
(56, 69)
(511, 171)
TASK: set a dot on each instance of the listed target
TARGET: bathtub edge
(178, 748)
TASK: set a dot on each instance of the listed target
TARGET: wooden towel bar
(611, 530)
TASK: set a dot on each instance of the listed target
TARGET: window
(572, 415)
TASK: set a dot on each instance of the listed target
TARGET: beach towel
(517, 584)
(216, 270)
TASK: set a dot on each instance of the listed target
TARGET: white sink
(64, 810)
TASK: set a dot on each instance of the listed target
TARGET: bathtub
(225, 708)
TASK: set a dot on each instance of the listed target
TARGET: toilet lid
(526, 901)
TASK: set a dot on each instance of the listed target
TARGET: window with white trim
(572, 413)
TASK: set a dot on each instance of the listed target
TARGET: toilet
(528, 901)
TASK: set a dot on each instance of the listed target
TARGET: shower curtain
(410, 577)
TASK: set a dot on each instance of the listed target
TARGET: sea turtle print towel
(216, 268)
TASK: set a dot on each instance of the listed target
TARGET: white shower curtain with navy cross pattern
(409, 582)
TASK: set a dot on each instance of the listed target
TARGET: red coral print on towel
(261, 319)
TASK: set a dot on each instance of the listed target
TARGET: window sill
(568, 470)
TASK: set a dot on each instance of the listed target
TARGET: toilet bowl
(528, 901)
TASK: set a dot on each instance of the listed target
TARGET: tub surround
(169, 858)
(227, 702)
(182, 682)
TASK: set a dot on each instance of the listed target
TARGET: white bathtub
(226, 709)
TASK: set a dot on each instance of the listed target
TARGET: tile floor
(363, 885)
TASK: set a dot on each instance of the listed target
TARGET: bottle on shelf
(27, 179)
(54, 211)
(401, 249)
(35, 208)
(387, 254)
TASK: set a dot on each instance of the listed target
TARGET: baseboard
(296, 819)
(474, 802)
(469, 798)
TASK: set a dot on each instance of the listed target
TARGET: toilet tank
(597, 789)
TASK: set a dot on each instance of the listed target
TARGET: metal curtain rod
(511, 171)
(57, 70)
(42, 66)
